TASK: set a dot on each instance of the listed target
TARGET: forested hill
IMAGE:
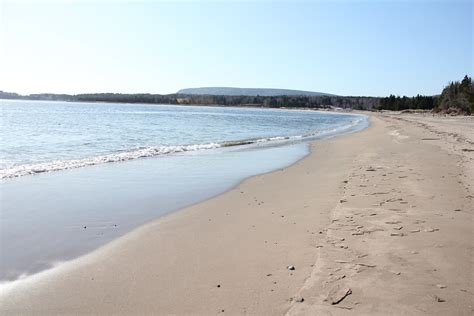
(249, 92)
(456, 98)
(319, 101)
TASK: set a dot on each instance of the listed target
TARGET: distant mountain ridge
(249, 92)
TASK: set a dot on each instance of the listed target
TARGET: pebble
(397, 234)
(441, 286)
(337, 294)
(392, 222)
(291, 268)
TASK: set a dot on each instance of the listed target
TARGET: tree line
(362, 103)
(456, 98)
(397, 103)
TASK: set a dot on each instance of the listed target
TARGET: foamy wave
(57, 165)
(23, 170)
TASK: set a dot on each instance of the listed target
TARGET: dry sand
(377, 222)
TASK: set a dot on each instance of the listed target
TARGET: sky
(372, 48)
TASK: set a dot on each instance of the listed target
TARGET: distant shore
(250, 105)
(263, 101)
(375, 222)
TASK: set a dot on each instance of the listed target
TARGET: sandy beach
(375, 222)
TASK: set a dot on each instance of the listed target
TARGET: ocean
(74, 176)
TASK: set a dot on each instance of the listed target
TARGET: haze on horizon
(341, 47)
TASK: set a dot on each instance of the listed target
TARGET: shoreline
(230, 253)
(131, 154)
(307, 143)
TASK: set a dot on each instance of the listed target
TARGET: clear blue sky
(341, 47)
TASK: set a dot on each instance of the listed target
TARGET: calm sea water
(78, 175)
(40, 136)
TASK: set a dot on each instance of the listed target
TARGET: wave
(145, 152)
(56, 165)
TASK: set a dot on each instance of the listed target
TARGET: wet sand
(376, 222)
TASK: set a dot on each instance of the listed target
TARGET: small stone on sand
(337, 294)
(397, 234)
(392, 222)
